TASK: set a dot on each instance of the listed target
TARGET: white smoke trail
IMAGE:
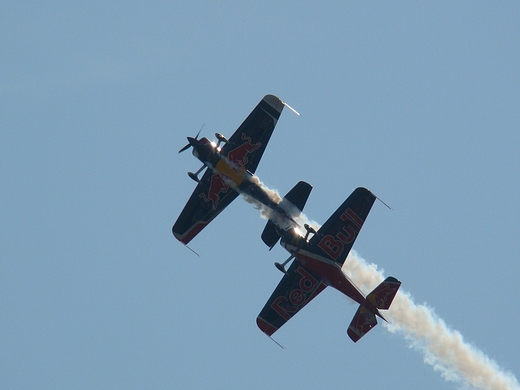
(273, 194)
(442, 347)
(268, 213)
(265, 211)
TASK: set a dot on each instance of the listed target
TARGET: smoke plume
(443, 348)
(268, 213)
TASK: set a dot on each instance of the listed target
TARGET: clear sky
(418, 102)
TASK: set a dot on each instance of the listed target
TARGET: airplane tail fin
(297, 197)
(380, 298)
(384, 294)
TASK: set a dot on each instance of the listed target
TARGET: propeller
(186, 147)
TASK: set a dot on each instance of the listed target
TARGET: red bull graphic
(288, 304)
(216, 187)
(237, 156)
(333, 245)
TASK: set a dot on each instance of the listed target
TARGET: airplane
(231, 171)
(317, 264)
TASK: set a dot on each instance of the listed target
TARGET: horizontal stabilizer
(299, 194)
(380, 298)
(363, 321)
(297, 197)
(270, 236)
(384, 294)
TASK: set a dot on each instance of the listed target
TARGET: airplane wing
(297, 288)
(336, 237)
(245, 148)
(248, 143)
(210, 197)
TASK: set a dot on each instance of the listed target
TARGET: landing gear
(221, 138)
(195, 176)
(309, 229)
(281, 266)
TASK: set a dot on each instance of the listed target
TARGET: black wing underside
(297, 288)
(245, 148)
(199, 212)
(247, 145)
(336, 237)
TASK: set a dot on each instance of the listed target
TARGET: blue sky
(418, 102)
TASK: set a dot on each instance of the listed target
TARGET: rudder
(384, 294)
(380, 298)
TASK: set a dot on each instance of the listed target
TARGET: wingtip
(275, 102)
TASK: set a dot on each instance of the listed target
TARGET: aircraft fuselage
(327, 270)
(234, 175)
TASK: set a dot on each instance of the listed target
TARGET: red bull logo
(217, 185)
(288, 305)
(239, 154)
(333, 245)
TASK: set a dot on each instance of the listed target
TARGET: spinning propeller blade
(186, 147)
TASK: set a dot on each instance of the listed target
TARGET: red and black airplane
(317, 264)
(230, 172)
(318, 260)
